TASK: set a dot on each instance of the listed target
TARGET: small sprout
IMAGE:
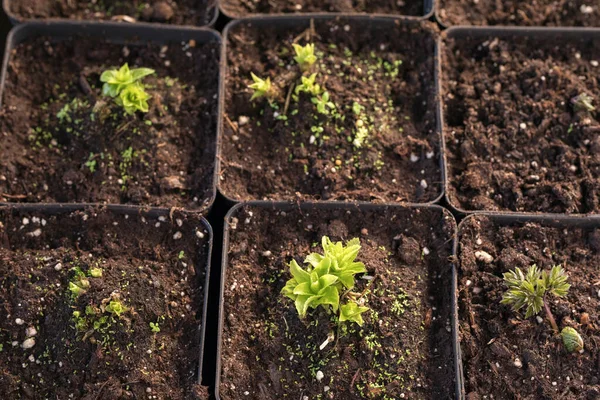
(530, 290)
(133, 98)
(181, 255)
(125, 86)
(323, 104)
(583, 102)
(96, 272)
(352, 312)
(78, 287)
(308, 85)
(115, 81)
(357, 108)
(305, 56)
(154, 326)
(571, 339)
(312, 289)
(261, 87)
(116, 307)
(326, 276)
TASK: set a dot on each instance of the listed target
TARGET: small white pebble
(424, 184)
(539, 319)
(468, 282)
(19, 321)
(479, 242)
(58, 267)
(35, 233)
(267, 253)
(414, 157)
(554, 383)
(523, 125)
(429, 154)
(148, 390)
(326, 389)
(484, 256)
(246, 393)
(178, 235)
(30, 332)
(28, 343)
(25, 221)
(425, 251)
(179, 222)
(311, 139)
(518, 363)
(594, 63)
(477, 290)
(15, 343)
(320, 375)
(31, 358)
(243, 120)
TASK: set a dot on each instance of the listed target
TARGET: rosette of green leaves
(125, 86)
(310, 289)
(352, 312)
(528, 290)
(343, 264)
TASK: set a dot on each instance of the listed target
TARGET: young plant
(583, 102)
(125, 86)
(305, 56)
(262, 88)
(323, 103)
(530, 290)
(326, 276)
(154, 327)
(308, 85)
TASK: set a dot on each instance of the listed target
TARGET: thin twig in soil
(101, 389)
(354, 379)
(309, 33)
(231, 124)
(13, 196)
(287, 99)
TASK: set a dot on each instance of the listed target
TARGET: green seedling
(323, 103)
(531, 290)
(262, 88)
(309, 86)
(154, 327)
(134, 98)
(115, 81)
(583, 102)
(326, 276)
(96, 272)
(116, 307)
(305, 56)
(125, 86)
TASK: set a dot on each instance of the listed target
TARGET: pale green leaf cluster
(261, 87)
(308, 85)
(528, 290)
(583, 102)
(125, 86)
(323, 103)
(325, 277)
(305, 56)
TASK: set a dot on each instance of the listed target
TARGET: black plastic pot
(138, 34)
(428, 7)
(15, 20)
(152, 213)
(490, 32)
(504, 219)
(334, 206)
(304, 20)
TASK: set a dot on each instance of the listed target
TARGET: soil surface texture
(181, 12)
(379, 78)
(63, 141)
(520, 12)
(62, 279)
(239, 8)
(404, 348)
(506, 355)
(518, 132)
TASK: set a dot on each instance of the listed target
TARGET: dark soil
(240, 8)
(494, 337)
(404, 349)
(520, 12)
(96, 153)
(181, 12)
(160, 279)
(515, 140)
(385, 67)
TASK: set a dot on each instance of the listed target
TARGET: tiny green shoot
(125, 86)
(154, 327)
(305, 56)
(583, 102)
(261, 87)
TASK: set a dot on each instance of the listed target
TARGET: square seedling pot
(226, 9)
(156, 15)
(517, 13)
(407, 344)
(504, 354)
(266, 153)
(166, 161)
(102, 303)
(514, 138)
